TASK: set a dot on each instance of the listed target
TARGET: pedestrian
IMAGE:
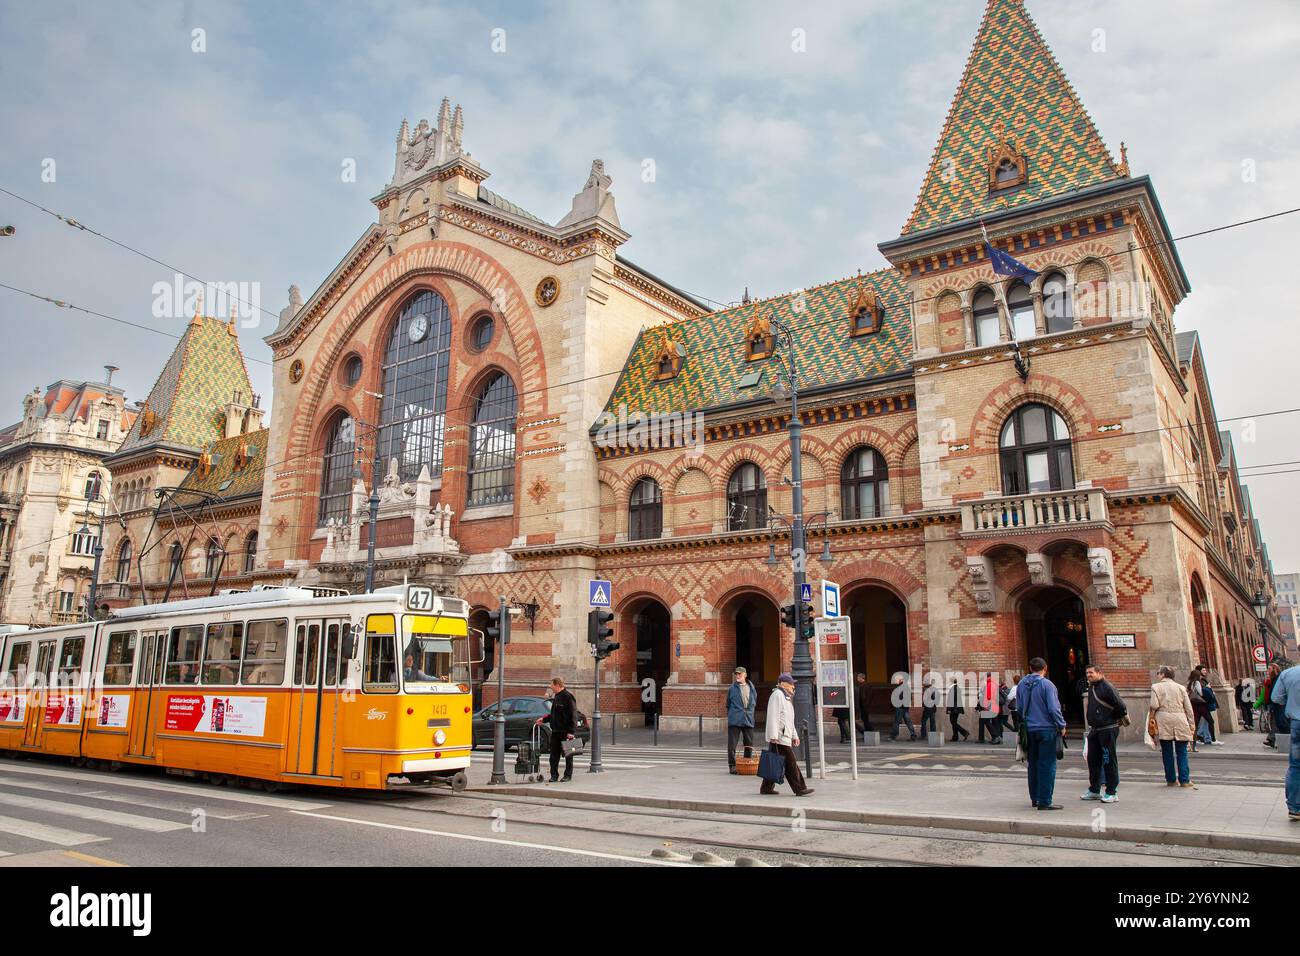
(1241, 695)
(1200, 710)
(955, 710)
(901, 697)
(1004, 709)
(1104, 713)
(1211, 704)
(1040, 713)
(1264, 704)
(987, 705)
(742, 698)
(1011, 702)
(1286, 697)
(1172, 707)
(782, 737)
(862, 703)
(929, 707)
(562, 721)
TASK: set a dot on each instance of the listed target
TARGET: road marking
(47, 834)
(112, 817)
(481, 839)
(134, 800)
(87, 858)
(208, 791)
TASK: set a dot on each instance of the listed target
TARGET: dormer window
(759, 339)
(669, 358)
(866, 313)
(1008, 166)
(1008, 173)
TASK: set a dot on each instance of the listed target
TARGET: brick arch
(733, 458)
(638, 587)
(812, 445)
(676, 473)
(643, 469)
(441, 259)
(724, 589)
(863, 434)
(1055, 393)
(871, 572)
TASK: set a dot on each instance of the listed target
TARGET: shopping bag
(771, 766)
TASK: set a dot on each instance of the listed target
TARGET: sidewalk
(1213, 816)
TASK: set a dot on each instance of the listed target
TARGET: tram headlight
(439, 737)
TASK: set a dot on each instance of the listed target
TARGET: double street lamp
(85, 531)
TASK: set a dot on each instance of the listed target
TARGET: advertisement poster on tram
(113, 710)
(63, 709)
(13, 706)
(237, 716)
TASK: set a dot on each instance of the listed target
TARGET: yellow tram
(280, 685)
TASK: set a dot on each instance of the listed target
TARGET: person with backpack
(1286, 698)
(1264, 704)
(1200, 711)
(1042, 728)
(1211, 705)
(1104, 713)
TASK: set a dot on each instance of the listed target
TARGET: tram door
(33, 726)
(152, 647)
(313, 714)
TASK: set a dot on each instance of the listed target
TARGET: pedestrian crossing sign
(599, 593)
(805, 593)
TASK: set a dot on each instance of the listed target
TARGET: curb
(1081, 831)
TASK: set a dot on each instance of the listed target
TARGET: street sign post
(830, 599)
(836, 632)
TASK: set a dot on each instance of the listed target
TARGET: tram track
(1061, 846)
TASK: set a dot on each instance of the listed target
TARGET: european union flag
(1005, 264)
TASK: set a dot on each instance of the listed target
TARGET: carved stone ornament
(980, 569)
(295, 371)
(1040, 568)
(1102, 565)
(548, 291)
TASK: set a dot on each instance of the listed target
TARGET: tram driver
(411, 672)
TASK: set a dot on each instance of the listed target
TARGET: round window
(484, 329)
(352, 370)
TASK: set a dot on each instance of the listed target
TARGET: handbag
(771, 766)
(1060, 746)
(572, 746)
(1153, 725)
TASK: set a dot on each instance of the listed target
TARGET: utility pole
(501, 632)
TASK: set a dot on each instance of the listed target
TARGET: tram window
(119, 659)
(264, 652)
(70, 660)
(183, 648)
(223, 652)
(306, 664)
(331, 653)
(381, 655)
(20, 656)
(346, 649)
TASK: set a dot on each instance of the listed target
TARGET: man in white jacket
(783, 737)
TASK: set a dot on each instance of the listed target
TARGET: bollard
(656, 726)
(613, 731)
(807, 749)
(701, 730)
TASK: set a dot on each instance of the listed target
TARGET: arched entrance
(479, 647)
(1201, 626)
(751, 631)
(1055, 629)
(652, 623)
(878, 623)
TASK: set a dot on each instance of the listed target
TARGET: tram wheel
(459, 781)
(271, 786)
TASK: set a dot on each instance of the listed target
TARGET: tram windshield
(428, 649)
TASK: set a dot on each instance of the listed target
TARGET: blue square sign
(599, 593)
(805, 593)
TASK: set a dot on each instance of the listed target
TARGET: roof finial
(198, 310)
(744, 299)
(231, 326)
(1122, 169)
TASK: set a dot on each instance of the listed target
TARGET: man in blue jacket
(1039, 707)
(742, 698)
(1285, 697)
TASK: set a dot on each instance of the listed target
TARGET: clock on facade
(418, 328)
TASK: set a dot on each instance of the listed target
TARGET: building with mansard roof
(993, 468)
(53, 483)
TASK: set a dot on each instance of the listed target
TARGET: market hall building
(997, 468)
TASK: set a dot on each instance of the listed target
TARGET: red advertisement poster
(184, 712)
(234, 716)
(63, 709)
(13, 706)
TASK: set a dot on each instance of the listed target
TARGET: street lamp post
(92, 594)
(1260, 604)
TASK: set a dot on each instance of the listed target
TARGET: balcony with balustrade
(1047, 511)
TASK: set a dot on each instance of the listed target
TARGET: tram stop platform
(1237, 804)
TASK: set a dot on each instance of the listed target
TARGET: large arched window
(864, 484)
(92, 486)
(174, 559)
(1020, 306)
(747, 498)
(336, 474)
(1035, 449)
(645, 511)
(492, 443)
(212, 560)
(413, 413)
(250, 553)
(124, 561)
(985, 314)
(1058, 305)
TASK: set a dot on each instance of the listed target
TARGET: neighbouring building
(994, 467)
(1288, 611)
(53, 483)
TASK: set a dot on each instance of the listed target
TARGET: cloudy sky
(773, 168)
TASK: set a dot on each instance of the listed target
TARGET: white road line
(133, 799)
(480, 839)
(198, 790)
(47, 834)
(112, 817)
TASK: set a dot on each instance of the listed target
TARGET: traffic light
(498, 628)
(599, 631)
(809, 628)
(788, 616)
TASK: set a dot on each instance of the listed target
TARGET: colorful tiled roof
(225, 476)
(1014, 88)
(186, 406)
(717, 367)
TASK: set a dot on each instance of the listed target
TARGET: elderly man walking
(782, 736)
(742, 698)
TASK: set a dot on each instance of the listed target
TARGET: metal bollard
(807, 749)
(701, 730)
(613, 731)
(656, 726)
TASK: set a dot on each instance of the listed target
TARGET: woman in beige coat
(1172, 708)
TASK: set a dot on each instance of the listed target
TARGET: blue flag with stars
(1005, 264)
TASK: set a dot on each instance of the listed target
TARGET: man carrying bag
(779, 762)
